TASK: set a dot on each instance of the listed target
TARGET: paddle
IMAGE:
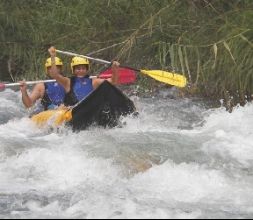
(4, 86)
(159, 75)
(126, 76)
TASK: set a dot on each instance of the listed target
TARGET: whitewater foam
(178, 159)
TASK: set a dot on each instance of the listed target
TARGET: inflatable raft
(103, 107)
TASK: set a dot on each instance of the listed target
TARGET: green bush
(209, 41)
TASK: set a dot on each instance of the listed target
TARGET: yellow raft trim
(52, 117)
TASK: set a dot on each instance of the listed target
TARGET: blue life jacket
(80, 88)
(54, 95)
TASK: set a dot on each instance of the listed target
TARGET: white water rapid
(179, 159)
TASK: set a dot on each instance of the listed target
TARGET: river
(180, 158)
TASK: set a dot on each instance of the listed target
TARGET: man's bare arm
(36, 94)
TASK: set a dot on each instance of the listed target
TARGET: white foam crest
(125, 208)
(228, 134)
(80, 176)
(193, 184)
(10, 106)
(182, 183)
(102, 209)
(18, 128)
(55, 167)
(161, 192)
(220, 118)
(146, 122)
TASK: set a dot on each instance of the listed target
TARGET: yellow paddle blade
(167, 77)
(52, 117)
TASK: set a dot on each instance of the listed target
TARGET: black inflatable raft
(103, 107)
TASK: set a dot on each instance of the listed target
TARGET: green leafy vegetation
(209, 41)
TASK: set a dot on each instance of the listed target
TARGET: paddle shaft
(87, 57)
(10, 85)
(94, 59)
(159, 75)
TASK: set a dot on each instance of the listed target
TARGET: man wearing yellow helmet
(80, 85)
(51, 94)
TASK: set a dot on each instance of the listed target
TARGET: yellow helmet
(79, 61)
(58, 62)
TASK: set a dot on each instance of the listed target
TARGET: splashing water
(179, 159)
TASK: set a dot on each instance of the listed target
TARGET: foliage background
(209, 41)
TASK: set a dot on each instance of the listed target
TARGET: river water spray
(178, 159)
